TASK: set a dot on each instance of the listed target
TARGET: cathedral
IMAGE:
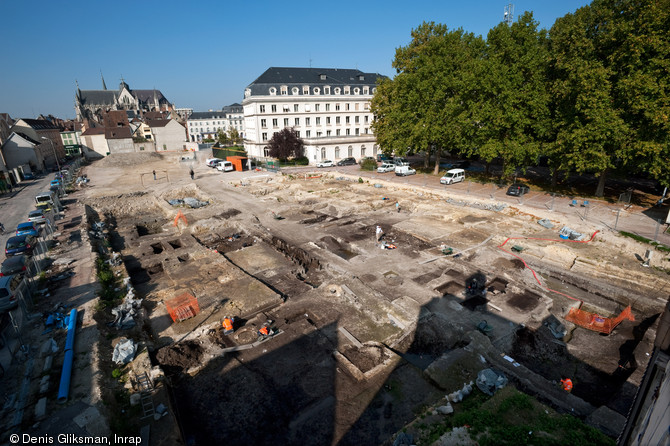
(90, 105)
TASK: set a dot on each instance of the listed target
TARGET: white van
(224, 166)
(404, 170)
(453, 176)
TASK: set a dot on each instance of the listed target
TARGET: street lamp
(54, 151)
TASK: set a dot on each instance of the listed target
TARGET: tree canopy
(592, 94)
(286, 144)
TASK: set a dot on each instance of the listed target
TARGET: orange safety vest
(567, 384)
(264, 331)
(227, 324)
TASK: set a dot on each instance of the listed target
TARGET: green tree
(222, 137)
(286, 144)
(234, 135)
(513, 99)
(426, 107)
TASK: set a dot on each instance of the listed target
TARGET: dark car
(381, 158)
(28, 228)
(20, 244)
(517, 190)
(14, 265)
(347, 162)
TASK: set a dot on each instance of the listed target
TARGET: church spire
(104, 87)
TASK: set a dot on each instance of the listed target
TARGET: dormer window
(357, 90)
(337, 90)
(305, 89)
(347, 90)
(247, 93)
(273, 91)
(317, 90)
(326, 89)
(284, 90)
(374, 90)
(295, 90)
(322, 77)
(361, 77)
(366, 90)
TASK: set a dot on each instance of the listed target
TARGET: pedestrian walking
(379, 233)
(192, 173)
(397, 207)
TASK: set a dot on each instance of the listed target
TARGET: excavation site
(369, 331)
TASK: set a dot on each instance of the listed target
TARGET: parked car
(517, 190)
(400, 161)
(20, 244)
(14, 265)
(211, 162)
(453, 176)
(381, 158)
(347, 162)
(8, 286)
(28, 176)
(224, 166)
(386, 167)
(324, 163)
(28, 228)
(38, 216)
(362, 160)
(402, 171)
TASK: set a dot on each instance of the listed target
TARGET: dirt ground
(362, 330)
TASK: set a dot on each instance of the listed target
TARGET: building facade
(206, 125)
(329, 108)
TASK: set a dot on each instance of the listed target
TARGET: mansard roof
(312, 77)
(40, 124)
(233, 108)
(214, 114)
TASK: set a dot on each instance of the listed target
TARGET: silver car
(386, 167)
(38, 216)
(8, 297)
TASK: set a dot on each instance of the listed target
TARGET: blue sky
(202, 54)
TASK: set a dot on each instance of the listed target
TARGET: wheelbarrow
(447, 251)
(485, 328)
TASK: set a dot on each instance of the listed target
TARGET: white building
(206, 125)
(329, 108)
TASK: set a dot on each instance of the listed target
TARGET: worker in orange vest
(264, 331)
(228, 325)
(566, 384)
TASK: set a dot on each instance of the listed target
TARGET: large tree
(424, 108)
(513, 98)
(286, 144)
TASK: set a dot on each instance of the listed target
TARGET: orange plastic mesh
(180, 215)
(595, 322)
(182, 307)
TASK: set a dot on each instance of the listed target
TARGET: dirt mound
(179, 358)
(128, 159)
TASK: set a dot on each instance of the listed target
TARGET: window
(347, 90)
(296, 108)
(295, 90)
(346, 106)
(285, 122)
(308, 133)
(318, 134)
(337, 132)
(357, 131)
(317, 107)
(365, 119)
(318, 120)
(337, 107)
(323, 153)
(362, 150)
(326, 89)
(297, 121)
(327, 120)
(308, 107)
(317, 90)
(356, 106)
(327, 107)
(305, 89)
(327, 132)
(356, 119)
(265, 136)
(266, 151)
(273, 91)
(374, 150)
(274, 123)
(367, 130)
(337, 152)
(346, 120)
(286, 108)
(366, 106)
(263, 123)
(307, 121)
(274, 109)
(366, 90)
(337, 90)
(350, 151)
(284, 90)
(357, 90)
(337, 120)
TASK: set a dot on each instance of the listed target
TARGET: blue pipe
(66, 372)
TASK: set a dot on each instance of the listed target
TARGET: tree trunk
(426, 159)
(437, 163)
(600, 190)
